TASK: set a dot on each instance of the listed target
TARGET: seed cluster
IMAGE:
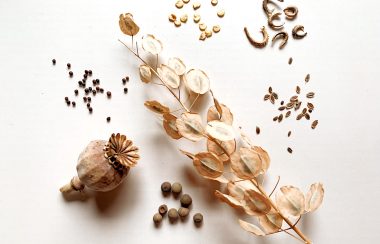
(273, 16)
(89, 90)
(206, 32)
(173, 213)
(295, 104)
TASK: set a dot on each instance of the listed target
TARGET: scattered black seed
(85, 99)
(66, 99)
(88, 105)
(290, 150)
(125, 90)
(127, 78)
(282, 102)
(89, 99)
(94, 92)
(94, 82)
(71, 74)
(108, 119)
(109, 94)
(97, 89)
(310, 110)
(101, 90)
(54, 61)
(257, 130)
(86, 72)
(90, 72)
(90, 109)
(86, 91)
(73, 103)
(76, 92)
(90, 88)
(97, 81)
(290, 61)
(68, 103)
(124, 81)
(84, 81)
(289, 133)
(68, 65)
(85, 76)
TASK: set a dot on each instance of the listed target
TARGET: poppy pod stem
(74, 185)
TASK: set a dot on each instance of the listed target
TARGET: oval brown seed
(173, 215)
(157, 218)
(257, 130)
(183, 212)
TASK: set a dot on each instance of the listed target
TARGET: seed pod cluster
(273, 21)
(173, 213)
(93, 89)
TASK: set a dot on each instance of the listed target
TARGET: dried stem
(155, 72)
(274, 188)
(219, 145)
(291, 225)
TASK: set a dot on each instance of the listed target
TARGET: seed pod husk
(173, 215)
(163, 209)
(186, 200)
(176, 188)
(157, 218)
(183, 212)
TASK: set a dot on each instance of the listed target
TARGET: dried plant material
(291, 12)
(177, 65)
(202, 26)
(217, 106)
(314, 197)
(230, 200)
(310, 106)
(214, 2)
(172, 18)
(298, 32)
(190, 126)
(314, 124)
(216, 28)
(251, 228)
(207, 164)
(169, 124)
(184, 18)
(196, 5)
(281, 35)
(257, 130)
(290, 61)
(307, 78)
(221, 13)
(179, 4)
(177, 23)
(238, 189)
(156, 107)
(151, 44)
(298, 89)
(264, 156)
(300, 116)
(267, 11)
(121, 150)
(196, 18)
(255, 204)
(208, 33)
(186, 1)
(288, 113)
(289, 150)
(246, 163)
(258, 44)
(310, 95)
(294, 99)
(145, 73)
(228, 146)
(289, 133)
(202, 37)
(290, 201)
(271, 20)
(214, 114)
(127, 24)
(271, 222)
(197, 81)
(282, 108)
(220, 130)
(169, 76)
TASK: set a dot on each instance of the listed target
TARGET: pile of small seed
(89, 90)
(173, 213)
(206, 32)
(302, 108)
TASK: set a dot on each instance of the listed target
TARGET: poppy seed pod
(103, 165)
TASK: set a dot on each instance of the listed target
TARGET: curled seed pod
(267, 11)
(291, 12)
(271, 20)
(281, 35)
(186, 200)
(173, 215)
(166, 187)
(176, 188)
(157, 218)
(259, 44)
(183, 212)
(296, 30)
(163, 209)
(103, 165)
(198, 218)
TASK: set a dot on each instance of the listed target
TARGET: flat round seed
(157, 218)
(172, 17)
(202, 26)
(183, 212)
(208, 33)
(166, 187)
(184, 18)
(177, 23)
(196, 6)
(214, 2)
(216, 28)
(163, 209)
(179, 4)
(176, 188)
(196, 18)
(221, 13)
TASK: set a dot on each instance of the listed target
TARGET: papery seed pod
(103, 165)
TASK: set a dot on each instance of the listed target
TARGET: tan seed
(196, 6)
(197, 18)
(266, 97)
(172, 17)
(221, 13)
(310, 95)
(208, 33)
(216, 28)
(282, 108)
(202, 37)
(304, 111)
(290, 105)
(288, 114)
(202, 26)
(307, 116)
(298, 106)
(186, 1)
(214, 2)
(179, 4)
(275, 118)
(294, 98)
(307, 78)
(184, 18)
(314, 124)
(177, 23)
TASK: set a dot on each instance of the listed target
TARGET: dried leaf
(190, 126)
(128, 25)
(156, 107)
(271, 222)
(177, 65)
(229, 146)
(169, 76)
(237, 189)
(151, 44)
(247, 142)
(207, 164)
(290, 201)
(230, 200)
(170, 127)
(251, 228)
(197, 81)
(264, 156)
(255, 204)
(213, 114)
(145, 73)
(246, 163)
(220, 130)
(314, 197)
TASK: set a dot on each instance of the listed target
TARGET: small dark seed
(76, 92)
(85, 76)
(89, 99)
(90, 109)
(282, 103)
(86, 72)
(125, 90)
(166, 187)
(257, 130)
(73, 103)
(127, 78)
(163, 209)
(66, 99)
(71, 74)
(290, 61)
(290, 150)
(88, 105)
(97, 81)
(101, 90)
(54, 61)
(108, 119)
(68, 103)
(85, 99)
(94, 92)
(289, 133)
(94, 82)
(124, 81)
(86, 91)
(90, 88)
(68, 65)
(109, 94)
(90, 72)
(97, 88)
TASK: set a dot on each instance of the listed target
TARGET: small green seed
(186, 200)
(198, 218)
(166, 187)
(176, 188)
(183, 212)
(163, 209)
(157, 218)
(173, 215)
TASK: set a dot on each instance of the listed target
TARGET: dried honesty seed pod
(103, 165)
(251, 228)
(247, 163)
(151, 44)
(230, 200)
(157, 218)
(206, 164)
(255, 204)
(183, 212)
(271, 222)
(166, 187)
(272, 18)
(296, 30)
(290, 201)
(190, 126)
(220, 130)
(176, 188)
(145, 73)
(229, 147)
(186, 200)
(259, 44)
(226, 116)
(163, 209)
(156, 107)
(282, 35)
(314, 197)
(173, 215)
(128, 25)
(291, 12)
(169, 124)
(177, 65)
(169, 76)
(197, 81)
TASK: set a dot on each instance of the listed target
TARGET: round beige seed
(202, 26)
(184, 18)
(177, 23)
(157, 218)
(172, 17)
(173, 215)
(179, 4)
(183, 212)
(186, 200)
(176, 188)
(208, 33)
(198, 218)
(185, 1)
(197, 18)
(202, 37)
(214, 2)
(221, 13)
(216, 28)
(196, 6)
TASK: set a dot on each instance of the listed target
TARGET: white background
(41, 137)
